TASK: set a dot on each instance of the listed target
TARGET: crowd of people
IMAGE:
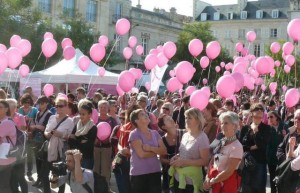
(157, 143)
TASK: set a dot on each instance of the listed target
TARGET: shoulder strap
(60, 123)
(86, 186)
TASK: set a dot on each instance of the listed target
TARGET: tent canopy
(68, 71)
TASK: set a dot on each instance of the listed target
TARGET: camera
(59, 169)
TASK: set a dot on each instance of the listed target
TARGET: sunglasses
(122, 118)
(271, 117)
(59, 106)
(165, 108)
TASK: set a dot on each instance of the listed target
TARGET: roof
(252, 6)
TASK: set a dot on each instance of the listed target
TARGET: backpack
(19, 149)
(100, 184)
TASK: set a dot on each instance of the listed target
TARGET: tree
(200, 31)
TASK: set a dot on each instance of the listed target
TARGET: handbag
(42, 153)
(249, 161)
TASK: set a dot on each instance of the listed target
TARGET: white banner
(157, 74)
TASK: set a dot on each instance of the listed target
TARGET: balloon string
(142, 80)
(60, 59)
(295, 53)
(200, 78)
(118, 39)
(210, 63)
(9, 77)
(32, 70)
(89, 85)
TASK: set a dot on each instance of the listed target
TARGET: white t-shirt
(295, 164)
(66, 127)
(232, 150)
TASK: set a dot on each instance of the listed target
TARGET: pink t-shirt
(7, 129)
(19, 120)
(232, 150)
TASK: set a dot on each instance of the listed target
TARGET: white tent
(68, 71)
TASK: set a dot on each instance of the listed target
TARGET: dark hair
(26, 97)
(160, 121)
(42, 99)
(246, 106)
(88, 106)
(276, 115)
(6, 105)
(98, 96)
(73, 107)
(185, 99)
(229, 102)
(257, 107)
(129, 111)
(71, 96)
(213, 109)
(80, 90)
(271, 103)
(135, 116)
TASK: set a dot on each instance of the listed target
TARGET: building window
(259, 14)
(275, 13)
(145, 44)
(230, 15)
(242, 33)
(257, 50)
(258, 33)
(118, 43)
(243, 14)
(69, 8)
(45, 6)
(273, 33)
(217, 16)
(91, 11)
(118, 11)
(203, 16)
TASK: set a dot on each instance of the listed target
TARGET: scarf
(83, 129)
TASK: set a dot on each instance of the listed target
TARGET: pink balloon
(150, 61)
(204, 81)
(217, 69)
(24, 70)
(162, 60)
(84, 63)
(195, 47)
(277, 63)
(293, 29)
(189, 90)
(97, 52)
(14, 40)
(48, 90)
(139, 50)
(173, 84)
(3, 48)
(172, 73)
(95, 116)
(239, 67)
(103, 131)
(239, 47)
(288, 48)
(251, 36)
(286, 69)
(222, 64)
(273, 86)
(160, 48)
(290, 60)
(66, 42)
(226, 86)
(226, 73)
(14, 57)
(233, 98)
(275, 47)
(103, 40)
(49, 47)
(206, 90)
(239, 81)
(69, 52)
(48, 35)
(169, 49)
(154, 51)
(199, 100)
(245, 51)
(126, 81)
(184, 71)
(213, 49)
(263, 65)
(127, 53)
(134, 72)
(204, 62)
(101, 71)
(263, 87)
(284, 88)
(122, 26)
(139, 73)
(3, 62)
(148, 86)
(291, 97)
(24, 46)
(119, 90)
(132, 41)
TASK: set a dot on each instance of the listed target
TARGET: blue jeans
(122, 177)
(87, 163)
(255, 181)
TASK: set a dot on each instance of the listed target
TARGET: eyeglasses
(271, 117)
(59, 106)
(165, 108)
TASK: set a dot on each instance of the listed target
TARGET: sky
(183, 6)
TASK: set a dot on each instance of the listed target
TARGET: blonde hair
(197, 114)
(61, 99)
(12, 102)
